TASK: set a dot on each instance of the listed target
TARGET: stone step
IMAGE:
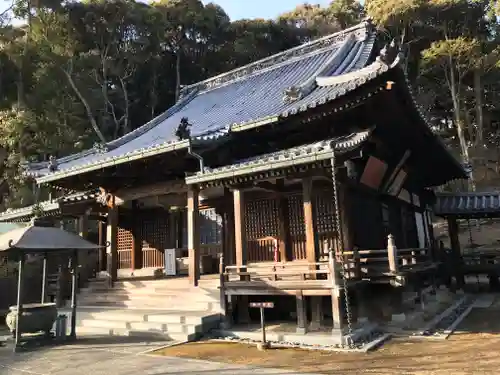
(141, 326)
(149, 290)
(148, 294)
(170, 284)
(95, 331)
(152, 304)
(136, 315)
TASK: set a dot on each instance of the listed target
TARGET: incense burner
(36, 317)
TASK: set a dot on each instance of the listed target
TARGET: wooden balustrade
(317, 278)
(299, 275)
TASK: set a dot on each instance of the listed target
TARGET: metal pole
(19, 301)
(74, 268)
(44, 278)
(263, 345)
(262, 325)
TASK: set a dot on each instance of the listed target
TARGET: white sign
(170, 262)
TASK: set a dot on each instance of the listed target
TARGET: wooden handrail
(278, 273)
(279, 264)
(357, 264)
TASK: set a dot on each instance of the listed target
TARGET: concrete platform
(167, 325)
(113, 356)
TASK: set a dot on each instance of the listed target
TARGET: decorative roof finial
(183, 132)
(389, 53)
(292, 94)
(52, 163)
(100, 148)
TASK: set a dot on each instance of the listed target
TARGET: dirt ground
(474, 349)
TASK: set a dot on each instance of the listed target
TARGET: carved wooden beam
(169, 187)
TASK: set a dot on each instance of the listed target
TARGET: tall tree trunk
(21, 96)
(464, 148)
(177, 75)
(153, 96)
(456, 115)
(126, 105)
(478, 93)
(88, 110)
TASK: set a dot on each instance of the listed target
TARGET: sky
(237, 9)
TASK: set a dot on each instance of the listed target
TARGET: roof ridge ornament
(183, 132)
(291, 94)
(52, 163)
(100, 148)
(390, 54)
(360, 32)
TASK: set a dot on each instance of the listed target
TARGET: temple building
(307, 176)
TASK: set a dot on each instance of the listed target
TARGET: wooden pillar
(335, 292)
(301, 313)
(316, 313)
(455, 247)
(227, 212)
(193, 223)
(284, 239)
(136, 238)
(241, 249)
(307, 191)
(83, 226)
(346, 219)
(112, 241)
(311, 251)
(85, 272)
(172, 229)
(102, 242)
(239, 228)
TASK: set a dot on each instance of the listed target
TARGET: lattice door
(125, 240)
(261, 226)
(324, 218)
(154, 235)
(296, 224)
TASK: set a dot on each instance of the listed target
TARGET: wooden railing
(320, 278)
(154, 258)
(357, 264)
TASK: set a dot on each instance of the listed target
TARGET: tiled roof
(50, 208)
(275, 87)
(468, 204)
(300, 155)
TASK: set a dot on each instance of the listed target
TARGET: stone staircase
(168, 309)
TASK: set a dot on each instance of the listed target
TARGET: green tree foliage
(451, 50)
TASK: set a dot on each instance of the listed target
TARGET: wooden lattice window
(261, 227)
(125, 239)
(296, 214)
(124, 245)
(324, 211)
(261, 219)
(296, 224)
(154, 233)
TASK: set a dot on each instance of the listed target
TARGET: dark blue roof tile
(305, 154)
(244, 96)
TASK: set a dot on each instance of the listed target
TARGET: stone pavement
(108, 356)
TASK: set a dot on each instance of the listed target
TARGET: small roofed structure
(44, 239)
(468, 205)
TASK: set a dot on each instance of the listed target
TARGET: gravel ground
(474, 350)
